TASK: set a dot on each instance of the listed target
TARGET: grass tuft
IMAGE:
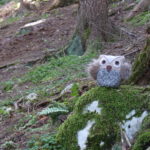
(141, 19)
(59, 70)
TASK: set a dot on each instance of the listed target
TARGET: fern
(53, 110)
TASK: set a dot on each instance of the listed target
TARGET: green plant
(8, 85)
(2, 2)
(10, 20)
(45, 142)
(9, 145)
(143, 141)
(30, 121)
(4, 111)
(53, 111)
(140, 19)
(60, 70)
(75, 90)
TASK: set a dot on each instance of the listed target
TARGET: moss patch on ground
(62, 69)
(140, 19)
(115, 104)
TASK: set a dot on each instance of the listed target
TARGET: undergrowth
(59, 70)
(140, 19)
(2, 2)
(45, 142)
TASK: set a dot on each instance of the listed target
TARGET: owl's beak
(109, 68)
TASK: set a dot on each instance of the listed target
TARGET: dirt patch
(54, 34)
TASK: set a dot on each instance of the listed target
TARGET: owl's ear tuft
(93, 68)
(101, 56)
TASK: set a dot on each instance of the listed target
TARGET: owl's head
(110, 62)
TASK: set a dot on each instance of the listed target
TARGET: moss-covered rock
(95, 122)
(141, 71)
(146, 123)
(75, 46)
(143, 141)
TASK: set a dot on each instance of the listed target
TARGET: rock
(30, 27)
(67, 89)
(9, 145)
(75, 47)
(95, 121)
(143, 141)
(31, 96)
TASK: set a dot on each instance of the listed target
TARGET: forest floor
(26, 62)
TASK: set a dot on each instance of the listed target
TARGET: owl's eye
(103, 61)
(117, 63)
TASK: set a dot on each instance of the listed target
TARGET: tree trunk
(143, 5)
(141, 67)
(93, 24)
(61, 3)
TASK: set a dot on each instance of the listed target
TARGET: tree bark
(93, 24)
(141, 67)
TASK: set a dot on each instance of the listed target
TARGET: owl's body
(108, 79)
(109, 70)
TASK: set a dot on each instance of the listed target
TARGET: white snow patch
(132, 126)
(131, 114)
(102, 143)
(83, 134)
(31, 96)
(93, 107)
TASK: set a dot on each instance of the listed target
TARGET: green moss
(141, 65)
(75, 46)
(140, 19)
(115, 104)
(146, 123)
(2, 2)
(10, 20)
(59, 70)
(8, 85)
(143, 141)
(45, 142)
(86, 33)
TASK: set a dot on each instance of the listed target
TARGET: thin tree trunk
(92, 24)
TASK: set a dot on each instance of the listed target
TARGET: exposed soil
(53, 34)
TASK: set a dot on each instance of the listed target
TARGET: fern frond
(53, 110)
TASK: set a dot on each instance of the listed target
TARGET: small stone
(67, 89)
(31, 96)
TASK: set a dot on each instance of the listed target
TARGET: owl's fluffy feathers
(125, 71)
(94, 66)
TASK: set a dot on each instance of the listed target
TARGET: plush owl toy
(109, 70)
